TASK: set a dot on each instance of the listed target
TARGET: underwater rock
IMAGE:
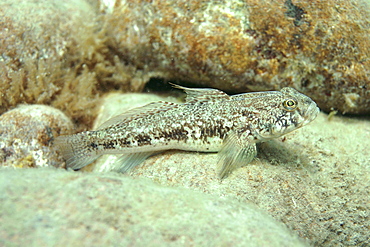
(315, 180)
(26, 135)
(92, 209)
(54, 52)
(320, 48)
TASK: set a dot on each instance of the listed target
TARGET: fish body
(209, 121)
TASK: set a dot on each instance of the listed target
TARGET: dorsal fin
(202, 94)
(141, 111)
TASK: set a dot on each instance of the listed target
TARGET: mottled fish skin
(209, 121)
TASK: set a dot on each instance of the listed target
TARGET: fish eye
(290, 104)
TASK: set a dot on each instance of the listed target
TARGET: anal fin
(125, 162)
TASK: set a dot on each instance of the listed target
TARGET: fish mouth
(310, 114)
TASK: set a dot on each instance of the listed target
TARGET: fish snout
(311, 113)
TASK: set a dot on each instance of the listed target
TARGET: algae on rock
(55, 53)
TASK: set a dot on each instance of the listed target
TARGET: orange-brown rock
(321, 48)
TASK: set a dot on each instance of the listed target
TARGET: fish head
(291, 110)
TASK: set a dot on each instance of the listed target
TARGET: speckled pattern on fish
(209, 121)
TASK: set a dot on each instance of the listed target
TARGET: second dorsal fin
(141, 111)
(202, 94)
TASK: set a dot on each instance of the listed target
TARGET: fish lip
(311, 113)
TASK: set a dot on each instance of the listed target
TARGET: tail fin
(75, 151)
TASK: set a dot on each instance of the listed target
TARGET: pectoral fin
(234, 154)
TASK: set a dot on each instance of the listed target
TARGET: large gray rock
(49, 207)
